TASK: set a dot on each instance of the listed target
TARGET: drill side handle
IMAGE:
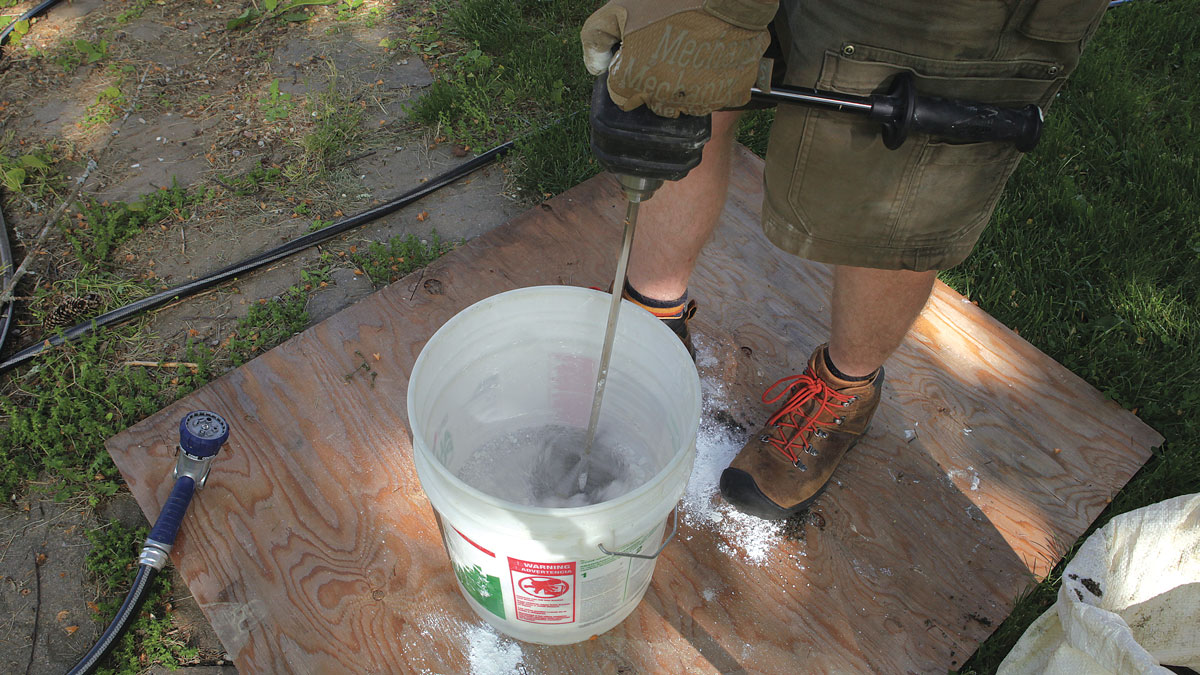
(901, 110)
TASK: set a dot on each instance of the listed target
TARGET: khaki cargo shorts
(834, 193)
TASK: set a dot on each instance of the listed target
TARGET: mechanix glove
(678, 56)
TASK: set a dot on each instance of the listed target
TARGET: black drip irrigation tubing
(6, 272)
(45, 5)
(189, 289)
(6, 260)
(239, 268)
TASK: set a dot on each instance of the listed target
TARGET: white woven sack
(1129, 602)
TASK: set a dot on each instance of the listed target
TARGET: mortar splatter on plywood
(962, 474)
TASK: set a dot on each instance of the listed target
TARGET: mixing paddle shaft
(610, 331)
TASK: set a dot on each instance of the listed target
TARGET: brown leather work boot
(680, 327)
(677, 324)
(784, 467)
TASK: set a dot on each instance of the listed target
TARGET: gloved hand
(678, 56)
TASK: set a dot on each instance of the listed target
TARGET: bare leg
(872, 310)
(679, 219)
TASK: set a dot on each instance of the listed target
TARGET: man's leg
(872, 311)
(679, 219)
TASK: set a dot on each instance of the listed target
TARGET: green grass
(1094, 253)
(252, 181)
(336, 131)
(150, 639)
(57, 414)
(516, 68)
(268, 323)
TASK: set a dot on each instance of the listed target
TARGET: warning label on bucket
(544, 592)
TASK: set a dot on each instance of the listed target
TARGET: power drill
(641, 148)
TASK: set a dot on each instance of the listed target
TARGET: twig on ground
(353, 159)
(31, 251)
(165, 364)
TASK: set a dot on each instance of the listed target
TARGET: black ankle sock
(633, 294)
(840, 375)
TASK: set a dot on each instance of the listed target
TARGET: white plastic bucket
(529, 357)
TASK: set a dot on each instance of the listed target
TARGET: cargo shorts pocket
(1062, 20)
(842, 185)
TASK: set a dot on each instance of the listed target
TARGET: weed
(101, 288)
(276, 105)
(318, 224)
(19, 31)
(387, 262)
(150, 640)
(101, 226)
(285, 12)
(134, 11)
(81, 52)
(32, 175)
(268, 323)
(253, 181)
(337, 129)
(374, 15)
(61, 410)
(108, 103)
(346, 9)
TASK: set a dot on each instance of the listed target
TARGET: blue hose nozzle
(201, 435)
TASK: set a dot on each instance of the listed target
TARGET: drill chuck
(638, 145)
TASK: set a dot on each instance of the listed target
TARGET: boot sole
(739, 489)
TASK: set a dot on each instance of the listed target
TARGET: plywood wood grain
(314, 550)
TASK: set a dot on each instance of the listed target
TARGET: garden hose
(201, 435)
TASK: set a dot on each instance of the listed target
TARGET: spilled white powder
(745, 537)
(491, 654)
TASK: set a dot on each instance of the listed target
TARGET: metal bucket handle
(674, 528)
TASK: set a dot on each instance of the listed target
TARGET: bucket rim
(687, 453)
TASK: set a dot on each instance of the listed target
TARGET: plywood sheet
(314, 550)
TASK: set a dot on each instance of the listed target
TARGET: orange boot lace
(802, 389)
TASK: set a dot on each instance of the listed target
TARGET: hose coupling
(155, 554)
